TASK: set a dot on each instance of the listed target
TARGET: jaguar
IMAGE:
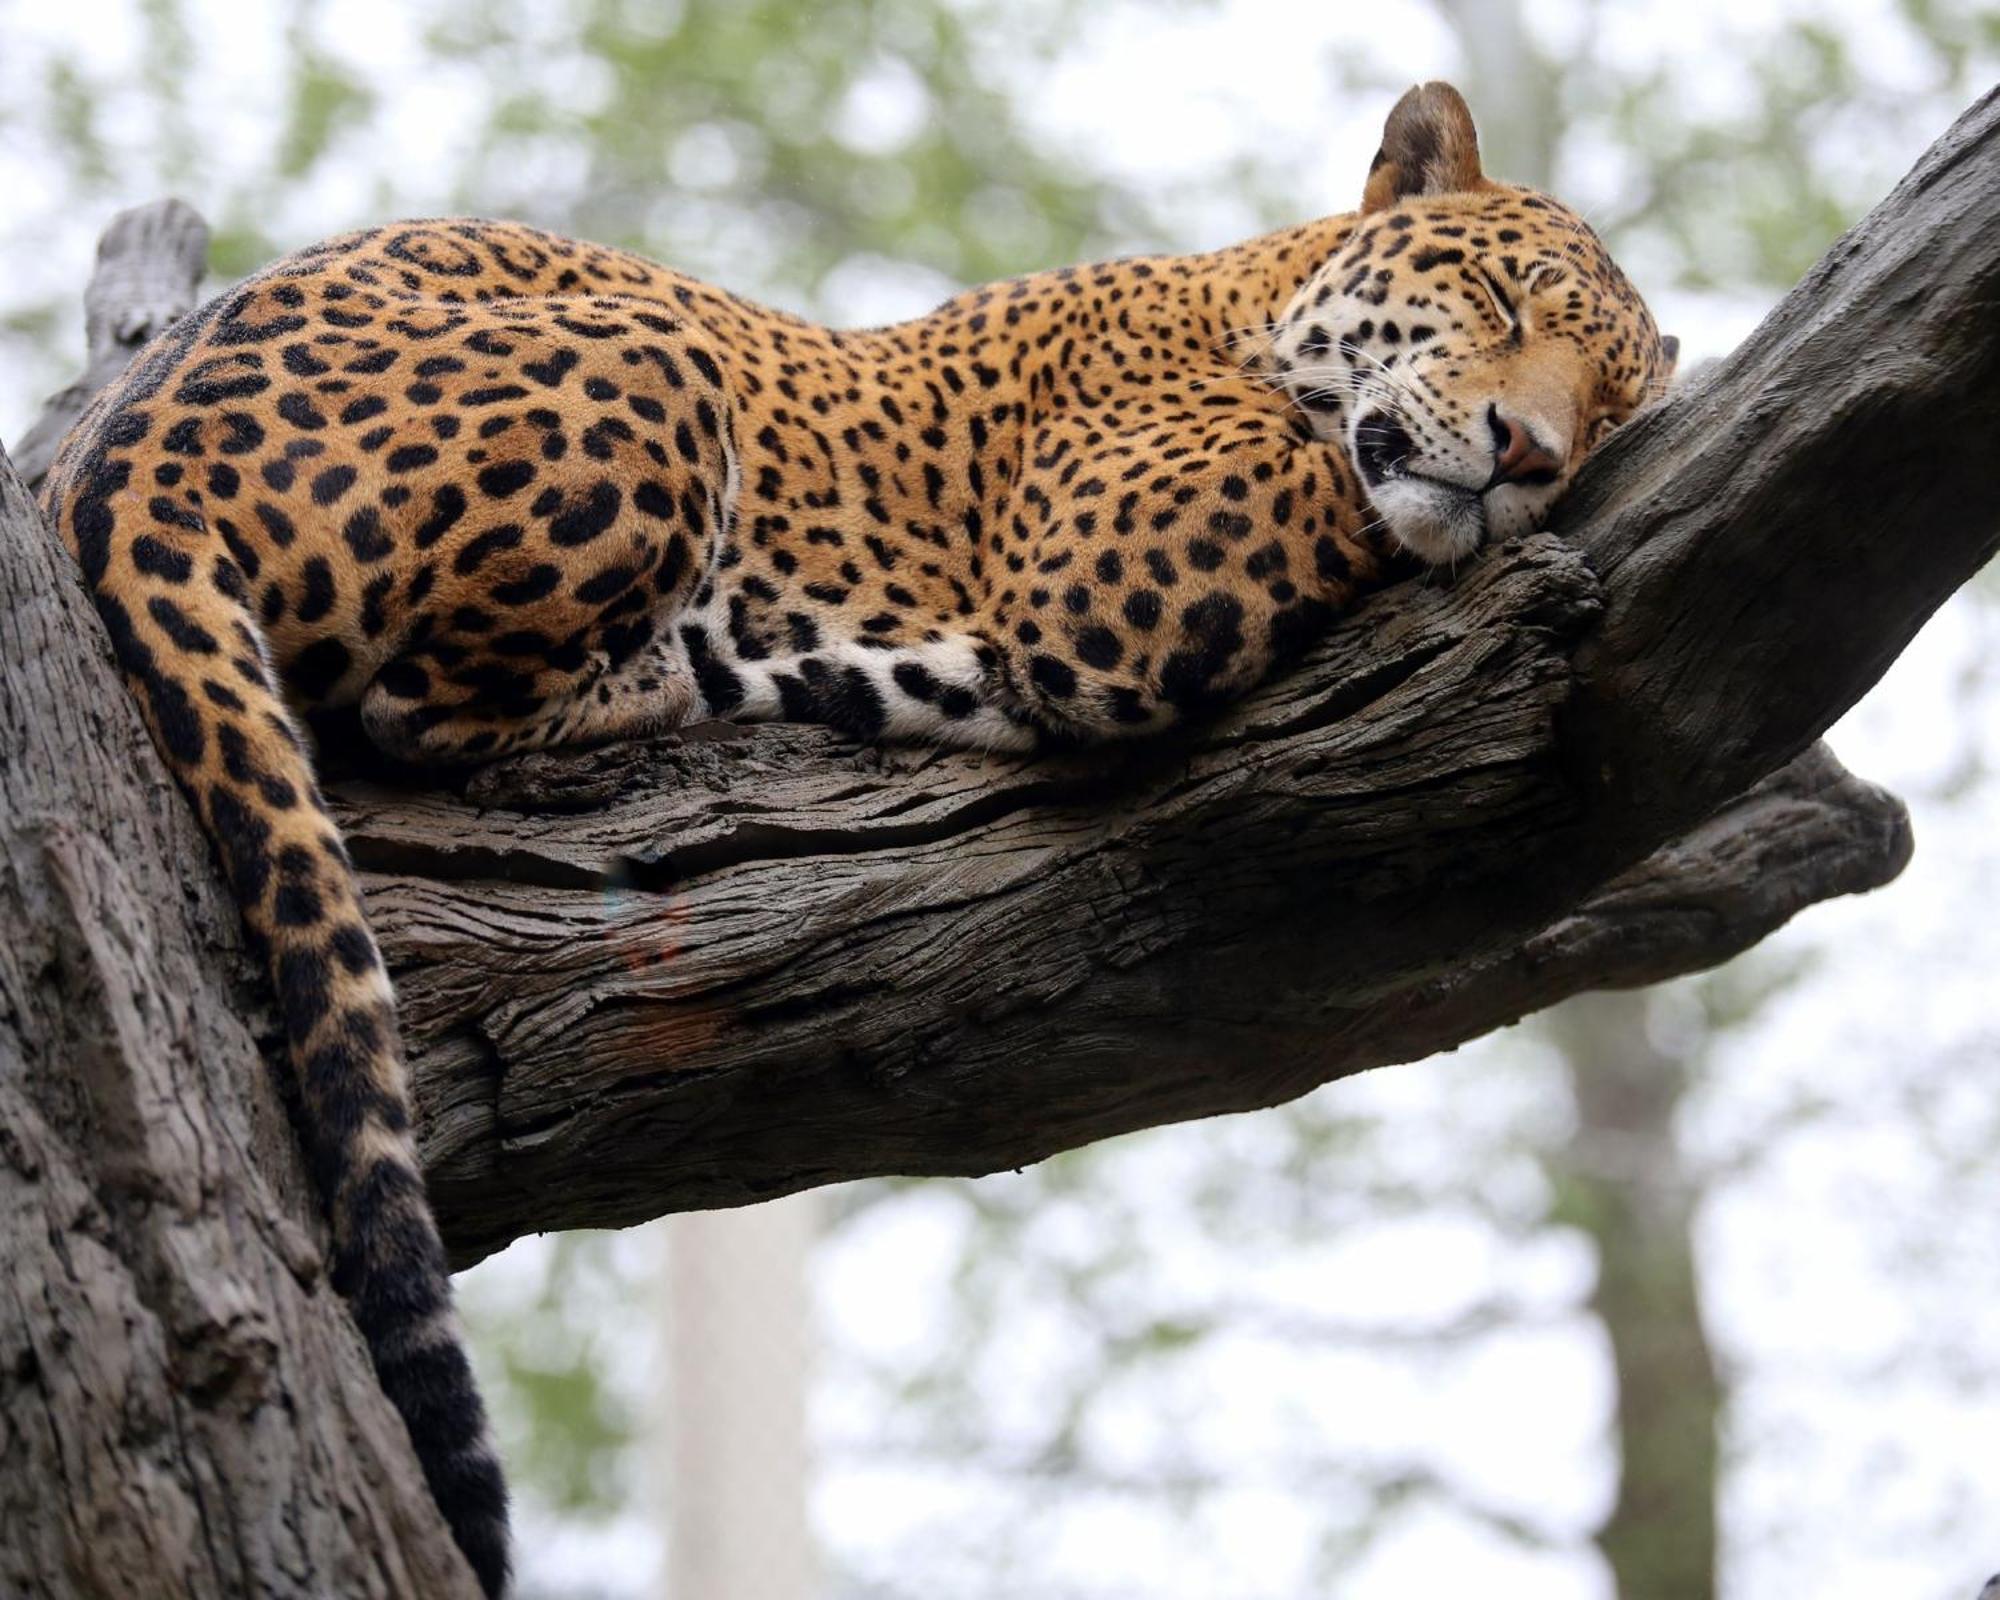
(496, 490)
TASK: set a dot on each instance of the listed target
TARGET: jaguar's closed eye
(1502, 302)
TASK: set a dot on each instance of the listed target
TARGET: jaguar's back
(502, 490)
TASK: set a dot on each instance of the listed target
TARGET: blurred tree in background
(826, 156)
(1475, 1321)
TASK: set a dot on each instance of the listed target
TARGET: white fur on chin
(1435, 524)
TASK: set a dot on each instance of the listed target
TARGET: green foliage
(72, 115)
(167, 62)
(327, 99)
(809, 136)
(544, 1347)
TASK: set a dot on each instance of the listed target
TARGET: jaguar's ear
(1670, 345)
(1429, 146)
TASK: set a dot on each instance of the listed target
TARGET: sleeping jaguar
(501, 491)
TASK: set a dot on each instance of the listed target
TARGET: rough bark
(185, 1407)
(150, 262)
(760, 961)
(1768, 545)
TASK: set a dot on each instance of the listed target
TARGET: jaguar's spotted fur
(504, 490)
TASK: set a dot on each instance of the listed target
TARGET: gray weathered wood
(186, 1408)
(1769, 544)
(150, 263)
(755, 961)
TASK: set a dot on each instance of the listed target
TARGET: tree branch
(763, 959)
(1770, 543)
(747, 961)
(150, 263)
(759, 963)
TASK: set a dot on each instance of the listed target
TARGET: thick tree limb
(185, 1405)
(1770, 544)
(772, 959)
(768, 964)
(749, 961)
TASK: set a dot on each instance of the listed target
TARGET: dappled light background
(1365, 1345)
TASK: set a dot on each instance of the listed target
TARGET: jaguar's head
(1468, 344)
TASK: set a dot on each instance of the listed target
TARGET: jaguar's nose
(1518, 456)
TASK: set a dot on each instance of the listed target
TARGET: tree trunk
(185, 1407)
(1622, 1180)
(747, 962)
(1620, 1174)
